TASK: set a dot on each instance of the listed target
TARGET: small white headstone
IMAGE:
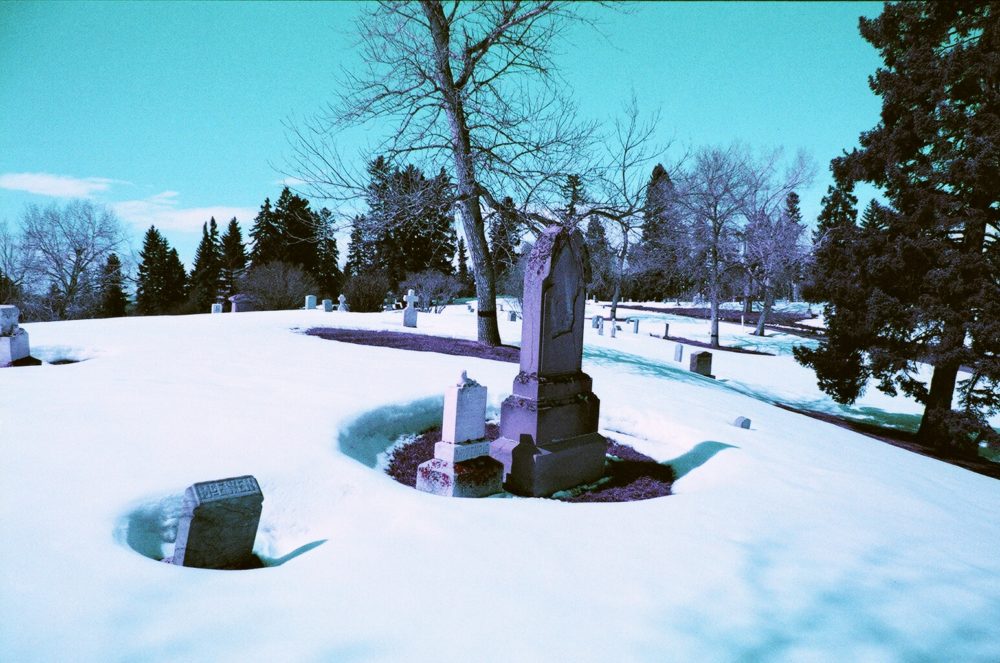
(217, 308)
(9, 316)
(327, 305)
(742, 422)
(595, 321)
(464, 411)
(13, 339)
(679, 353)
(410, 312)
(635, 325)
(310, 302)
(614, 328)
(343, 303)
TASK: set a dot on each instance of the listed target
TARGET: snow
(794, 540)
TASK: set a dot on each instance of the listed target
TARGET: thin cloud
(57, 186)
(164, 212)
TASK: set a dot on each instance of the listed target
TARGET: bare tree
(469, 84)
(11, 266)
(723, 189)
(621, 186)
(63, 250)
(774, 253)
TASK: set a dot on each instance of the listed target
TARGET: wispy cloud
(290, 182)
(59, 186)
(164, 212)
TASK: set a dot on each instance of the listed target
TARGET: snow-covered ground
(794, 540)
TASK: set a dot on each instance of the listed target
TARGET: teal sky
(172, 111)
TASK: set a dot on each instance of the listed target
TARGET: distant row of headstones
(699, 362)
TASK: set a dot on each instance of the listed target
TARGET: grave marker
(742, 422)
(701, 363)
(217, 307)
(679, 353)
(218, 524)
(13, 340)
(343, 303)
(310, 302)
(410, 312)
(551, 418)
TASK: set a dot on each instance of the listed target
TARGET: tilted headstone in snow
(342, 306)
(701, 363)
(552, 415)
(597, 320)
(13, 339)
(462, 466)
(679, 353)
(310, 302)
(218, 524)
(328, 305)
(217, 307)
(741, 422)
(410, 312)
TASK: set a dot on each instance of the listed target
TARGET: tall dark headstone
(549, 424)
(218, 524)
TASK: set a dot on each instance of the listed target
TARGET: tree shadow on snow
(374, 432)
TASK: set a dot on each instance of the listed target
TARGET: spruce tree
(360, 248)
(206, 274)
(327, 274)
(504, 238)
(113, 300)
(161, 281)
(601, 259)
(464, 277)
(234, 258)
(299, 230)
(572, 192)
(925, 284)
(268, 237)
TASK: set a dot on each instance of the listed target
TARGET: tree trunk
(469, 205)
(933, 424)
(714, 288)
(765, 310)
(619, 276)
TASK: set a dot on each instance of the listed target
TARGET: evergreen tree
(572, 191)
(835, 232)
(268, 236)
(601, 260)
(327, 274)
(504, 238)
(113, 300)
(361, 249)
(661, 260)
(925, 284)
(234, 258)
(206, 275)
(161, 278)
(464, 276)
(299, 226)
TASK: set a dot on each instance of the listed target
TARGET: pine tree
(924, 279)
(161, 278)
(660, 261)
(360, 248)
(572, 191)
(327, 274)
(601, 260)
(113, 300)
(504, 238)
(299, 230)
(234, 258)
(206, 275)
(464, 276)
(268, 237)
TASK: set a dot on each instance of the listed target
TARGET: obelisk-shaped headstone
(552, 413)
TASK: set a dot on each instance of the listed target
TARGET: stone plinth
(552, 413)
(14, 348)
(701, 363)
(218, 524)
(479, 477)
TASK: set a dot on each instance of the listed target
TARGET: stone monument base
(14, 348)
(479, 477)
(540, 470)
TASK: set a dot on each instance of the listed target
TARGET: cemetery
(566, 332)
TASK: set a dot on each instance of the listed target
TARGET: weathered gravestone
(218, 524)
(13, 339)
(600, 326)
(342, 306)
(512, 316)
(549, 424)
(742, 422)
(410, 312)
(242, 303)
(679, 353)
(701, 363)
(217, 307)
(596, 321)
(666, 330)
(635, 325)
(327, 305)
(614, 330)
(310, 302)
(462, 466)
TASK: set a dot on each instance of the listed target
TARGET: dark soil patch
(26, 361)
(904, 440)
(782, 321)
(418, 343)
(629, 475)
